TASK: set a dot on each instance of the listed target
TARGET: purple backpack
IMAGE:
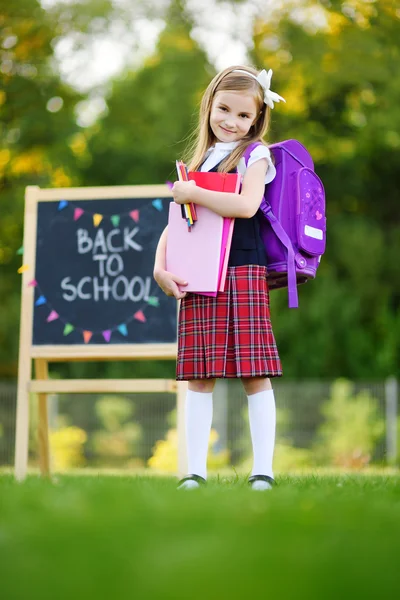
(294, 228)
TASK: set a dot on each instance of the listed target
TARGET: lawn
(120, 537)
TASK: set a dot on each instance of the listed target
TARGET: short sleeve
(259, 152)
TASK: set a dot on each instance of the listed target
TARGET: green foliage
(150, 114)
(116, 443)
(34, 143)
(342, 95)
(113, 411)
(351, 429)
(288, 459)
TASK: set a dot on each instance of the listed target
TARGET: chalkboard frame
(69, 352)
(41, 355)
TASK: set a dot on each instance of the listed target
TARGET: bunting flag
(122, 329)
(139, 316)
(158, 204)
(135, 215)
(23, 268)
(97, 219)
(87, 336)
(53, 316)
(20, 251)
(153, 301)
(68, 328)
(78, 212)
(107, 335)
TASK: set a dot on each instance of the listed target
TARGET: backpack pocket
(311, 220)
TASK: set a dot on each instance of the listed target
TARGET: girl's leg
(198, 418)
(262, 419)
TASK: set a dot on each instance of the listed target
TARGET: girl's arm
(159, 262)
(243, 205)
(166, 280)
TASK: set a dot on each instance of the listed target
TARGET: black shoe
(199, 480)
(265, 478)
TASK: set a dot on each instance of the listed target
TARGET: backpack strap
(291, 268)
(249, 150)
(282, 236)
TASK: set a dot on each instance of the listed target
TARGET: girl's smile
(232, 115)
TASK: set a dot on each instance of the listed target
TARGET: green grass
(104, 537)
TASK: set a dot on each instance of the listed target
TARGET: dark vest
(247, 247)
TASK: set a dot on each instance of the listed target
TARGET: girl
(229, 335)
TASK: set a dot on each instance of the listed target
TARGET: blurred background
(106, 92)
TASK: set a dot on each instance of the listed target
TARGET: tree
(150, 111)
(338, 78)
(37, 124)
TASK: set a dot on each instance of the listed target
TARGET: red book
(219, 182)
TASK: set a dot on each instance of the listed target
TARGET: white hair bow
(264, 79)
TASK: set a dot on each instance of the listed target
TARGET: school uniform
(230, 335)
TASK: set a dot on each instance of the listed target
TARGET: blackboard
(94, 273)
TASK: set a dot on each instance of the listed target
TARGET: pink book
(200, 256)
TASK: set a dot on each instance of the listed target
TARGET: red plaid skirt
(229, 335)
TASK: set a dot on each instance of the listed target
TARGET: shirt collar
(222, 147)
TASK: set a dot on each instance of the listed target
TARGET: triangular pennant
(135, 215)
(68, 328)
(157, 204)
(41, 300)
(87, 335)
(53, 316)
(139, 316)
(115, 220)
(122, 329)
(78, 212)
(20, 251)
(153, 301)
(107, 335)
(62, 204)
(23, 268)
(97, 219)
(32, 283)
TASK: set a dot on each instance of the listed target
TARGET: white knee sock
(199, 410)
(262, 418)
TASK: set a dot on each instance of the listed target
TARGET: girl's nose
(229, 124)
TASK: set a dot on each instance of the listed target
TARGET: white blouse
(221, 150)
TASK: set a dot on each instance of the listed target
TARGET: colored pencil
(189, 209)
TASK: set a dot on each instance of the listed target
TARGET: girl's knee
(201, 385)
(253, 385)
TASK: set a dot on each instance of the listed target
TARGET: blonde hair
(204, 138)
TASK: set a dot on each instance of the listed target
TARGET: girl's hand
(182, 191)
(169, 283)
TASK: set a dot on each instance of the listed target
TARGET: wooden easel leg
(22, 430)
(180, 418)
(42, 372)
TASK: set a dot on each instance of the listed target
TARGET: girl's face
(232, 115)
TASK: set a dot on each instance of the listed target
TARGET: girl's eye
(245, 116)
(223, 108)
